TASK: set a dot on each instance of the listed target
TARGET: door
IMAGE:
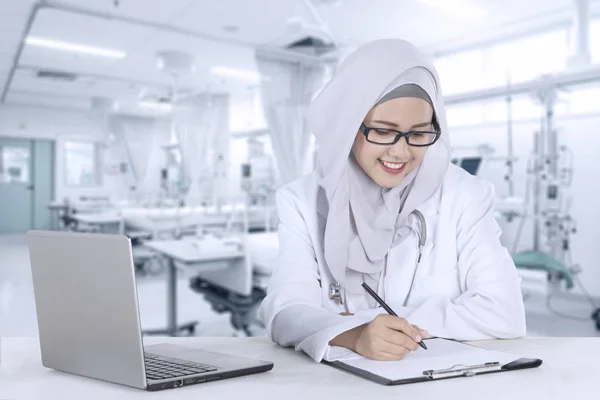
(43, 183)
(16, 185)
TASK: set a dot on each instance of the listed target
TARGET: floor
(18, 317)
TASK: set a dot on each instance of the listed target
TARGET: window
(595, 40)
(81, 164)
(465, 114)
(523, 108)
(526, 108)
(526, 59)
(14, 164)
(460, 72)
(515, 60)
(246, 112)
(581, 99)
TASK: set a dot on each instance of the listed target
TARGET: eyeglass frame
(399, 135)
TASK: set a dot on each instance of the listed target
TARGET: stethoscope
(335, 290)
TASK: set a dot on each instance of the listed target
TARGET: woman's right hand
(388, 338)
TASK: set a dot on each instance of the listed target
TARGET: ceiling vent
(56, 75)
(311, 45)
(301, 37)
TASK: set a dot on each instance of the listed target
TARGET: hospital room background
(175, 122)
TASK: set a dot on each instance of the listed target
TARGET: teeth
(392, 166)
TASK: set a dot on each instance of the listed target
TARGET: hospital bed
(160, 221)
(84, 213)
(539, 261)
(175, 221)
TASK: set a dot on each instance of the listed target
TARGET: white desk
(188, 256)
(570, 371)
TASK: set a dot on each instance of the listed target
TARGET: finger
(400, 339)
(422, 332)
(389, 356)
(393, 357)
(392, 348)
(383, 356)
(402, 325)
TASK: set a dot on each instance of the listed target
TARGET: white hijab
(364, 220)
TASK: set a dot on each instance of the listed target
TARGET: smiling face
(387, 165)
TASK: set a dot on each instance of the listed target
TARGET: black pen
(385, 306)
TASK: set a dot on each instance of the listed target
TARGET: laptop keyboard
(158, 367)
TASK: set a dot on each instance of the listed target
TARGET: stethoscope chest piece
(335, 292)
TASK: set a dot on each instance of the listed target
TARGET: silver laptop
(89, 322)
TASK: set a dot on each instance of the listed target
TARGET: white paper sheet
(441, 354)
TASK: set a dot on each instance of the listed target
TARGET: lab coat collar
(430, 207)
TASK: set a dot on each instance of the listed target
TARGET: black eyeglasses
(387, 137)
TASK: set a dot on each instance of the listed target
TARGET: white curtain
(202, 126)
(287, 89)
(142, 139)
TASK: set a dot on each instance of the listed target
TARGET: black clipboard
(455, 371)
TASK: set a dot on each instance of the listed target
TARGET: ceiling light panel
(62, 40)
(74, 47)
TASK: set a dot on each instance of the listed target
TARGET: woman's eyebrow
(386, 123)
(427, 123)
(422, 124)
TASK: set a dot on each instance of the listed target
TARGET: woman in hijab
(387, 208)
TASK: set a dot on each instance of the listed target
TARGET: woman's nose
(400, 149)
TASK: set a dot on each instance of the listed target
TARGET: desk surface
(570, 370)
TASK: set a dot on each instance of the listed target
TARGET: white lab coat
(466, 286)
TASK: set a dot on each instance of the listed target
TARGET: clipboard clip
(462, 370)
